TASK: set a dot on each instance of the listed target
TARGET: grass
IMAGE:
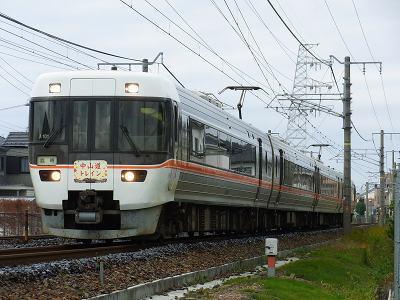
(353, 268)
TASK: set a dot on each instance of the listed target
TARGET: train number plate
(90, 171)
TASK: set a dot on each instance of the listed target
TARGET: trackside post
(271, 250)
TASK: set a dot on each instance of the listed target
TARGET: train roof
(103, 83)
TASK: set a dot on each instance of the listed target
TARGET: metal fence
(20, 223)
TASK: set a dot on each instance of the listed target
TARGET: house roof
(16, 139)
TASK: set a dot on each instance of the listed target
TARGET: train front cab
(98, 157)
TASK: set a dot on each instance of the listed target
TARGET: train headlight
(50, 175)
(133, 175)
(128, 176)
(131, 88)
(54, 88)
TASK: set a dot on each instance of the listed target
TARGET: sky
(112, 26)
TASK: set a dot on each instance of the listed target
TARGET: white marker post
(271, 250)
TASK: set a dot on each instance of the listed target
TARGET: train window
(249, 159)
(197, 140)
(102, 138)
(224, 150)
(243, 159)
(212, 150)
(48, 118)
(143, 126)
(80, 125)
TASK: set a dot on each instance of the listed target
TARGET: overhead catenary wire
(294, 35)
(200, 40)
(373, 59)
(180, 42)
(56, 42)
(12, 84)
(46, 48)
(4, 16)
(284, 48)
(15, 70)
(15, 78)
(353, 58)
(248, 45)
(34, 61)
(13, 107)
(298, 40)
(20, 49)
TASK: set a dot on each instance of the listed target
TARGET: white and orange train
(117, 154)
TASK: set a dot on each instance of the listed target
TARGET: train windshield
(143, 126)
(49, 121)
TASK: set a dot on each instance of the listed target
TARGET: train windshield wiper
(53, 136)
(129, 139)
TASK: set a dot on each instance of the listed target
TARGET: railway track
(31, 237)
(11, 257)
(24, 256)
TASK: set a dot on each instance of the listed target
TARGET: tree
(360, 207)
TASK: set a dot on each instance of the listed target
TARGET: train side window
(243, 157)
(249, 159)
(197, 140)
(224, 150)
(211, 142)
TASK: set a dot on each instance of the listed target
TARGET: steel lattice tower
(296, 132)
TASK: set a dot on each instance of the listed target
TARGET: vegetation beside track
(355, 267)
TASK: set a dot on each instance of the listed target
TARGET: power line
(14, 85)
(294, 35)
(354, 126)
(372, 56)
(25, 50)
(202, 41)
(353, 58)
(280, 44)
(64, 40)
(34, 61)
(248, 45)
(254, 51)
(15, 78)
(12, 107)
(181, 43)
(41, 46)
(287, 17)
(62, 44)
(22, 75)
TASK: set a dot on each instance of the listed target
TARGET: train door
(92, 140)
(317, 187)
(260, 169)
(280, 165)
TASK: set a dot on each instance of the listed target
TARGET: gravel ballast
(79, 278)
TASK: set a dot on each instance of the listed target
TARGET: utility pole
(396, 203)
(347, 146)
(347, 137)
(382, 185)
(392, 179)
(366, 201)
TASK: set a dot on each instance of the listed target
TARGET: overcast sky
(113, 27)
